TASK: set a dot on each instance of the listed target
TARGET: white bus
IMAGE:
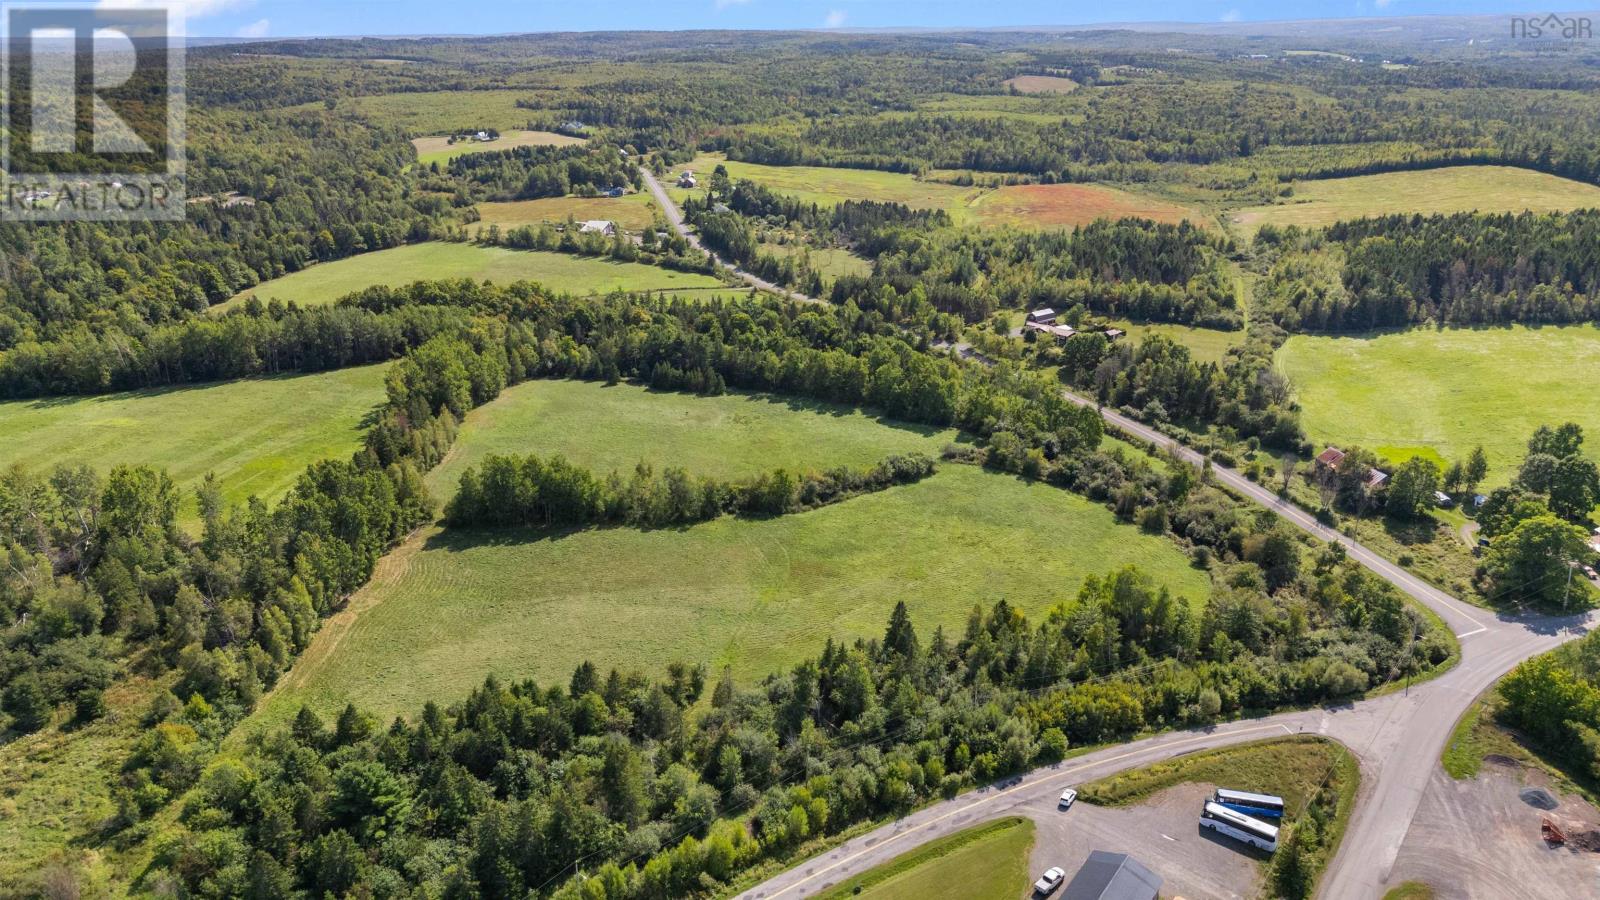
(1262, 806)
(1239, 826)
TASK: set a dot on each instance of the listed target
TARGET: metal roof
(1112, 876)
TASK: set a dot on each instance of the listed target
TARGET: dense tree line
(1537, 525)
(1555, 701)
(1158, 380)
(258, 339)
(118, 278)
(99, 572)
(1133, 268)
(555, 493)
(1462, 269)
(618, 785)
(527, 173)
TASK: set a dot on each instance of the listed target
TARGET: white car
(1049, 881)
(1068, 797)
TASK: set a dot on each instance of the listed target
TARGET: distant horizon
(220, 21)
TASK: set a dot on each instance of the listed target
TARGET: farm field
(1068, 205)
(827, 186)
(1042, 84)
(1205, 344)
(256, 434)
(985, 862)
(756, 595)
(1023, 206)
(1447, 190)
(1444, 392)
(435, 112)
(631, 212)
(324, 283)
(830, 262)
(439, 149)
(730, 436)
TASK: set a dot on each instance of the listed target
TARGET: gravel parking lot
(1163, 833)
(1479, 839)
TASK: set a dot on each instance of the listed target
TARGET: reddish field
(1066, 205)
(1042, 84)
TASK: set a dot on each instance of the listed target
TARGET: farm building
(1329, 460)
(1045, 316)
(1059, 332)
(598, 226)
(686, 180)
(611, 192)
(1113, 334)
(1112, 876)
(1440, 498)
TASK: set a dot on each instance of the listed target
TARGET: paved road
(1397, 737)
(675, 217)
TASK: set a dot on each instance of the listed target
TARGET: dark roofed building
(1330, 457)
(1112, 876)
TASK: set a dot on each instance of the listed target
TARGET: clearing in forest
(754, 594)
(1448, 190)
(1042, 84)
(324, 283)
(632, 212)
(439, 149)
(257, 434)
(1069, 205)
(1439, 393)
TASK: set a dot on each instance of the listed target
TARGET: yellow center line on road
(997, 795)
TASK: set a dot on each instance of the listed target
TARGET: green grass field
(985, 862)
(324, 283)
(440, 112)
(439, 149)
(827, 186)
(758, 595)
(1021, 206)
(1447, 190)
(1205, 344)
(632, 212)
(1291, 768)
(731, 436)
(257, 435)
(1443, 392)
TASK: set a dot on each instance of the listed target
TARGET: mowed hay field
(1042, 84)
(1412, 392)
(731, 436)
(631, 212)
(828, 186)
(1069, 205)
(257, 434)
(324, 283)
(1448, 190)
(439, 148)
(756, 594)
(1021, 206)
(985, 862)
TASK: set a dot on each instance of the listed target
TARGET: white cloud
(257, 29)
(724, 4)
(835, 19)
(193, 9)
(1231, 15)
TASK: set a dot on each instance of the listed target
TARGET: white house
(598, 226)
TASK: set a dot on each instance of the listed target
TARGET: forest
(686, 782)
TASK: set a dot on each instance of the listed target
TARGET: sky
(311, 18)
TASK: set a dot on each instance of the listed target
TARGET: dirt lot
(1163, 833)
(1479, 839)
